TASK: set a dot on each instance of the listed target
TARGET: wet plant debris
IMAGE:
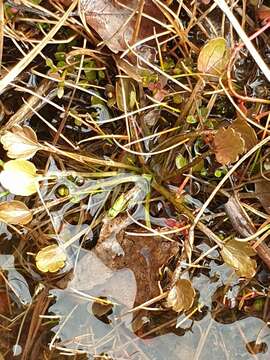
(134, 179)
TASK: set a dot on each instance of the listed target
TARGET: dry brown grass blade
(41, 305)
(90, 160)
(24, 62)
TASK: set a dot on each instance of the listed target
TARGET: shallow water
(201, 337)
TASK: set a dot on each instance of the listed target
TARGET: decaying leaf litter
(134, 179)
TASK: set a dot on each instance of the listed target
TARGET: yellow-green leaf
(19, 177)
(228, 145)
(180, 161)
(20, 143)
(237, 255)
(51, 259)
(181, 296)
(15, 212)
(213, 57)
(125, 90)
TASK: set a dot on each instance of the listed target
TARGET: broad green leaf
(15, 212)
(181, 296)
(228, 145)
(213, 57)
(237, 255)
(51, 259)
(19, 177)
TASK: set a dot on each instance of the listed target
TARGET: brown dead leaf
(247, 133)
(181, 296)
(228, 145)
(4, 308)
(115, 21)
(237, 255)
(66, 2)
(144, 255)
(15, 212)
(262, 192)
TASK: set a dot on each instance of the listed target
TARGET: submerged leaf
(15, 212)
(143, 255)
(20, 143)
(228, 145)
(181, 296)
(237, 255)
(213, 57)
(51, 259)
(19, 177)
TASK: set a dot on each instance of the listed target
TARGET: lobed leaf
(181, 296)
(228, 145)
(247, 133)
(20, 143)
(51, 259)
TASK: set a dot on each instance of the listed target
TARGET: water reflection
(222, 332)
